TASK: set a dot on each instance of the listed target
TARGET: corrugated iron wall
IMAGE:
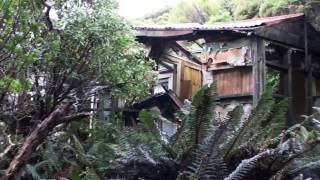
(235, 81)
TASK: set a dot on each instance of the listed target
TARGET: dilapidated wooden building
(239, 56)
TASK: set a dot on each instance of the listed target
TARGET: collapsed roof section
(167, 102)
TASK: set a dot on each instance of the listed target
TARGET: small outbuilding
(240, 56)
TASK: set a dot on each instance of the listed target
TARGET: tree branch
(37, 137)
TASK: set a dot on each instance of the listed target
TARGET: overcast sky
(132, 9)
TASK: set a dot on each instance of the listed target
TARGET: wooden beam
(257, 46)
(169, 68)
(288, 87)
(187, 53)
(235, 96)
(308, 65)
(162, 33)
(288, 33)
(284, 45)
(167, 71)
(277, 66)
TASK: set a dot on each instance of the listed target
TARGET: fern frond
(310, 165)
(32, 170)
(250, 126)
(90, 174)
(272, 127)
(247, 166)
(201, 120)
(230, 130)
(206, 163)
(79, 150)
(198, 123)
(147, 123)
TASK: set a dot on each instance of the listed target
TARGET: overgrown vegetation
(55, 57)
(52, 68)
(231, 147)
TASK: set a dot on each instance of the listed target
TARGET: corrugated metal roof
(250, 23)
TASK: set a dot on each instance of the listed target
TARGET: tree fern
(181, 141)
(245, 168)
(298, 170)
(231, 129)
(32, 170)
(206, 145)
(207, 160)
(198, 123)
(273, 125)
(201, 119)
(250, 126)
(206, 163)
(259, 114)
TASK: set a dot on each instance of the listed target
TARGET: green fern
(32, 170)
(247, 166)
(260, 114)
(210, 147)
(203, 104)
(89, 174)
(207, 163)
(249, 127)
(80, 151)
(208, 159)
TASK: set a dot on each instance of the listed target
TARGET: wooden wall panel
(236, 81)
(191, 80)
(298, 95)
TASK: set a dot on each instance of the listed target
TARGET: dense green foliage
(53, 53)
(89, 50)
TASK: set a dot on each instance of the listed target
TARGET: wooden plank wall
(191, 80)
(234, 82)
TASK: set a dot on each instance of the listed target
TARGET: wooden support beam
(288, 87)
(308, 65)
(309, 85)
(162, 33)
(277, 66)
(235, 96)
(257, 46)
(187, 53)
(284, 45)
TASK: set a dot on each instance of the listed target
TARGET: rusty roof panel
(245, 24)
(232, 56)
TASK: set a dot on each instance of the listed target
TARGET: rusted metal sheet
(224, 55)
(235, 57)
(236, 81)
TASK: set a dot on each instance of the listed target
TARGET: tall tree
(54, 56)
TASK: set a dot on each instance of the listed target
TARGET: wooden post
(288, 87)
(308, 68)
(309, 86)
(258, 56)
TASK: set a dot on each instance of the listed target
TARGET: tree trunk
(36, 138)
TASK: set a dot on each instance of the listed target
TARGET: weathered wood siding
(233, 82)
(191, 80)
